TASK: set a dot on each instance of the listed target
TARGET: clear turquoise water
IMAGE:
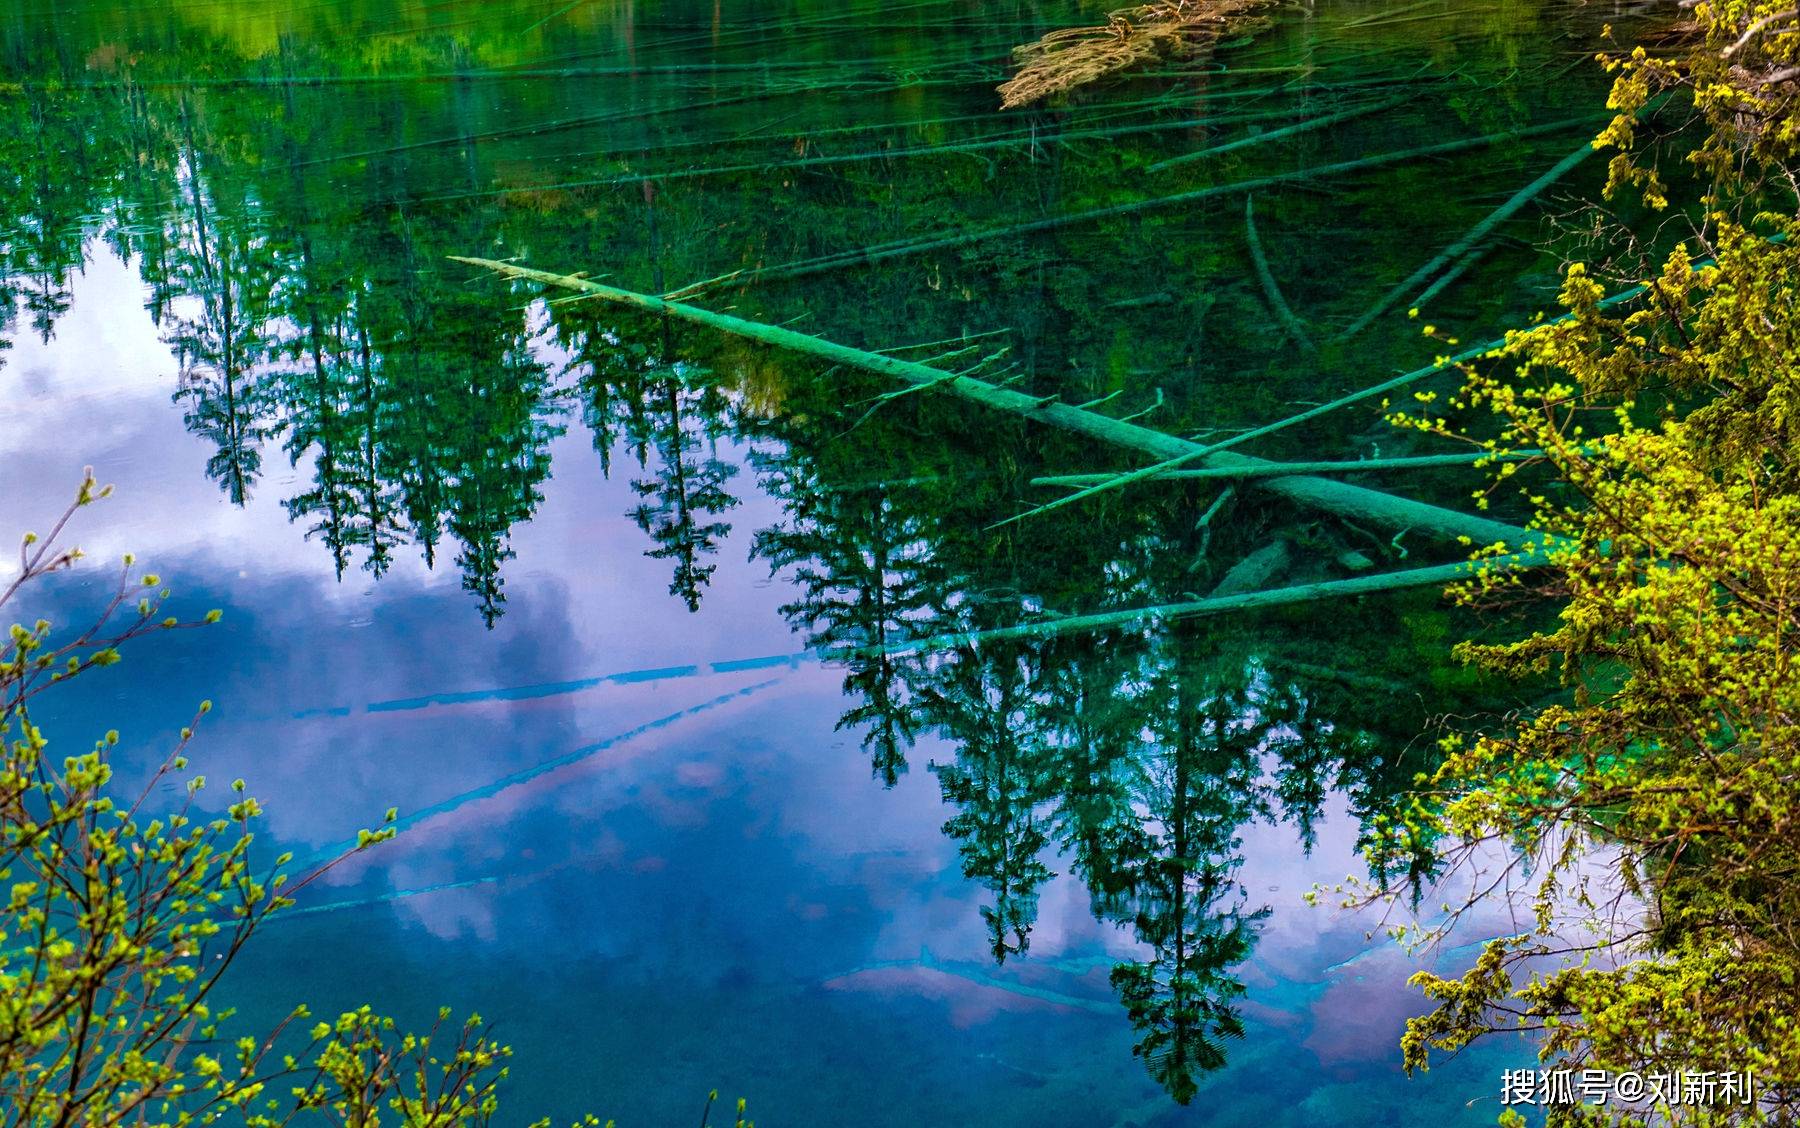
(554, 580)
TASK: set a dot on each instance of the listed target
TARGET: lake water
(572, 587)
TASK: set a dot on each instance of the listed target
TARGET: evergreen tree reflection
(316, 309)
(224, 265)
(687, 486)
(860, 554)
(670, 417)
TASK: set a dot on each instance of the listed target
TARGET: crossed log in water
(1351, 502)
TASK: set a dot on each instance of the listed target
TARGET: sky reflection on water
(710, 890)
(555, 583)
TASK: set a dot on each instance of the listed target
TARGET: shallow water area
(613, 609)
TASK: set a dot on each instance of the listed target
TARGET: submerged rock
(1255, 571)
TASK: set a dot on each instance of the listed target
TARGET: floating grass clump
(1076, 56)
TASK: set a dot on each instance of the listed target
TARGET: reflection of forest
(418, 408)
(291, 223)
(310, 305)
(1135, 758)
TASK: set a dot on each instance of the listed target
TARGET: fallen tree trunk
(1282, 469)
(1351, 502)
(904, 248)
(1027, 138)
(1278, 306)
(1306, 126)
(1461, 254)
(1435, 576)
(1254, 571)
(1472, 238)
(1199, 452)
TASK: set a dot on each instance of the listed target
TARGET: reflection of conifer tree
(1310, 750)
(869, 518)
(481, 521)
(419, 442)
(226, 407)
(612, 374)
(1374, 753)
(1097, 825)
(418, 379)
(499, 437)
(454, 440)
(315, 401)
(861, 560)
(318, 420)
(51, 179)
(63, 161)
(420, 405)
(997, 783)
(671, 418)
(315, 297)
(221, 259)
(1180, 1000)
(149, 192)
(9, 311)
(341, 405)
(687, 488)
(667, 415)
(378, 515)
(1196, 784)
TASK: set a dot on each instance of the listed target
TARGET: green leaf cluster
(119, 922)
(1650, 814)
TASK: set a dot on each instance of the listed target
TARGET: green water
(561, 581)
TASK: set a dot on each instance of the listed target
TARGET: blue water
(651, 828)
(666, 882)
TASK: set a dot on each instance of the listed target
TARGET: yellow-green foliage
(1743, 74)
(120, 920)
(1656, 807)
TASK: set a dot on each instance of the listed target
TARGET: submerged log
(1278, 469)
(1254, 571)
(1278, 306)
(1449, 277)
(1306, 126)
(906, 248)
(1438, 575)
(1353, 503)
(1199, 452)
(1471, 239)
(1463, 253)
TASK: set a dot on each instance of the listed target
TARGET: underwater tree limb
(1277, 304)
(1283, 469)
(1437, 575)
(1348, 501)
(1474, 236)
(908, 247)
(1449, 277)
(1384, 16)
(1306, 126)
(539, 128)
(562, 11)
(1023, 139)
(1198, 452)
